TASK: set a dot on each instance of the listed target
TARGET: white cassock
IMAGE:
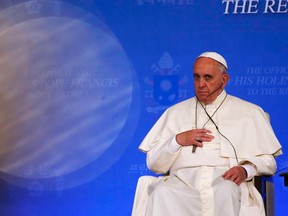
(244, 135)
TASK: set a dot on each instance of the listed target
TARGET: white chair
(142, 194)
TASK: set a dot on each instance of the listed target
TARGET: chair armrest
(285, 175)
(260, 182)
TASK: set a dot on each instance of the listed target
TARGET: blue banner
(82, 82)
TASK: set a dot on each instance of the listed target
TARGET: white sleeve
(251, 171)
(173, 145)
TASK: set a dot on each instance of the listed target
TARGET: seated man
(211, 146)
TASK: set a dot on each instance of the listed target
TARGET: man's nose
(202, 82)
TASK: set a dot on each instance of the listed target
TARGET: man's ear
(225, 79)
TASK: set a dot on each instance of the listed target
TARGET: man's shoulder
(237, 101)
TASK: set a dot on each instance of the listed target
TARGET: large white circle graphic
(66, 88)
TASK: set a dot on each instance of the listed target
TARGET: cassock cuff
(173, 146)
(251, 171)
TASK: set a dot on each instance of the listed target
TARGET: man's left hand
(237, 174)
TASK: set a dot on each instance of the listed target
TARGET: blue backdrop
(82, 82)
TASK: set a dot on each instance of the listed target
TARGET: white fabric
(250, 170)
(142, 194)
(174, 146)
(196, 189)
(244, 124)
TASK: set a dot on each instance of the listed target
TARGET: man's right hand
(194, 137)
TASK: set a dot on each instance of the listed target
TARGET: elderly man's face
(208, 77)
